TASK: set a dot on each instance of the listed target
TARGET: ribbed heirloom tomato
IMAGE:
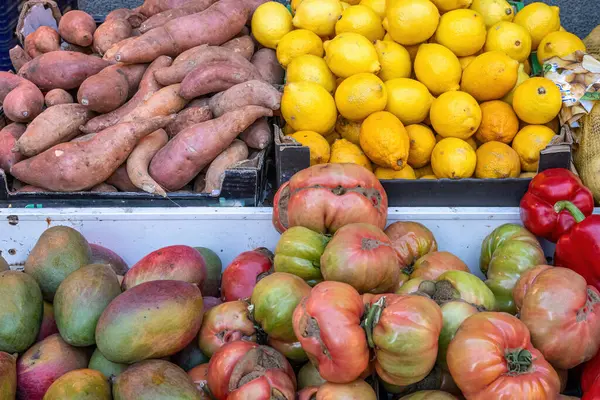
(491, 357)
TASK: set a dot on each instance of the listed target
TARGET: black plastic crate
(291, 157)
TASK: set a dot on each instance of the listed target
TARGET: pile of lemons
(418, 88)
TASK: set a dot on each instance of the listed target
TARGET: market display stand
(134, 232)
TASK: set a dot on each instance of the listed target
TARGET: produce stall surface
(134, 232)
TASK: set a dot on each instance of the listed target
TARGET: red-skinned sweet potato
(161, 18)
(58, 96)
(176, 164)
(55, 125)
(151, 7)
(215, 25)
(139, 160)
(258, 135)
(251, 93)
(188, 117)
(148, 86)
(71, 167)
(196, 57)
(109, 55)
(43, 40)
(21, 100)
(111, 87)
(133, 17)
(77, 27)
(62, 69)
(236, 152)
(242, 45)
(265, 61)
(215, 77)
(8, 137)
(32, 189)
(110, 33)
(166, 101)
(18, 57)
(120, 180)
(104, 188)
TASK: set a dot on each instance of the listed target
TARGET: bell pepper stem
(571, 208)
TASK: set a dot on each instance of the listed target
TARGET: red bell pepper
(591, 371)
(545, 190)
(579, 249)
(593, 393)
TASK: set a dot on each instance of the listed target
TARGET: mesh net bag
(587, 155)
(592, 42)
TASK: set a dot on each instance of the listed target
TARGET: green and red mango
(81, 384)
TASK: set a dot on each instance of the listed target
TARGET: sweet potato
(109, 55)
(134, 18)
(251, 93)
(31, 189)
(265, 60)
(188, 117)
(55, 125)
(176, 164)
(83, 138)
(243, 45)
(215, 77)
(43, 40)
(71, 167)
(215, 25)
(58, 96)
(111, 87)
(236, 152)
(104, 188)
(77, 27)
(148, 86)
(151, 7)
(120, 180)
(18, 57)
(200, 181)
(139, 160)
(21, 100)
(110, 33)
(193, 7)
(195, 57)
(258, 135)
(199, 102)
(62, 69)
(164, 102)
(8, 137)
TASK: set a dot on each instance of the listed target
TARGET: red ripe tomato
(240, 277)
(491, 357)
(524, 282)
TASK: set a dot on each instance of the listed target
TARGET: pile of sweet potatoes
(161, 98)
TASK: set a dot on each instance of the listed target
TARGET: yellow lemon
(465, 61)
(294, 4)
(493, 11)
(453, 158)
(307, 106)
(362, 20)
(411, 21)
(387, 173)
(510, 38)
(346, 152)
(522, 76)
(349, 54)
(528, 175)
(287, 130)
(394, 59)
(318, 145)
(431, 177)
(384, 140)
(537, 101)
(297, 43)
(422, 142)
(424, 171)
(558, 44)
(271, 21)
(408, 99)
(437, 68)
(539, 19)
(462, 31)
(498, 122)
(349, 130)
(311, 68)
(529, 142)
(318, 16)
(388, 38)
(490, 76)
(344, 5)
(455, 114)
(360, 95)
(496, 160)
(376, 5)
(448, 5)
(470, 141)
